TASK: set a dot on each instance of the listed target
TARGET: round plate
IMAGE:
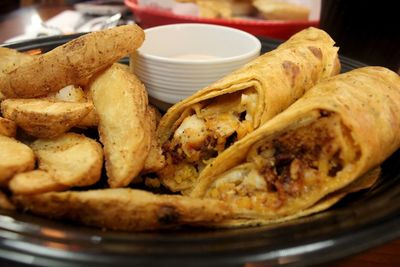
(358, 222)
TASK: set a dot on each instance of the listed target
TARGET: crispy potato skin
(125, 209)
(72, 159)
(71, 63)
(10, 59)
(15, 157)
(44, 118)
(34, 182)
(155, 160)
(7, 127)
(121, 103)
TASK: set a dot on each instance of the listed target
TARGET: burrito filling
(292, 171)
(211, 127)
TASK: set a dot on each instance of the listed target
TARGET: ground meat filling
(302, 157)
(290, 166)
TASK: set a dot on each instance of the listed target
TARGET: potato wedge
(70, 93)
(125, 209)
(15, 157)
(35, 182)
(72, 159)
(121, 103)
(44, 118)
(71, 63)
(7, 127)
(73, 93)
(155, 159)
(10, 59)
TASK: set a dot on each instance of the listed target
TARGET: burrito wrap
(273, 81)
(357, 115)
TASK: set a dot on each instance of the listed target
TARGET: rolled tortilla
(196, 130)
(334, 134)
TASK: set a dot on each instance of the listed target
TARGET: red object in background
(149, 17)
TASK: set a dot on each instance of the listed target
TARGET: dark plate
(360, 221)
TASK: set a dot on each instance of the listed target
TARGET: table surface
(15, 23)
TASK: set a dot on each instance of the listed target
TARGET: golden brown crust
(34, 182)
(366, 100)
(7, 127)
(15, 157)
(125, 209)
(155, 159)
(71, 63)
(44, 118)
(121, 103)
(72, 159)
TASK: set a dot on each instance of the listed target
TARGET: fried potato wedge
(73, 93)
(121, 103)
(125, 209)
(10, 59)
(44, 118)
(155, 159)
(71, 63)
(7, 127)
(15, 157)
(35, 182)
(72, 159)
(70, 93)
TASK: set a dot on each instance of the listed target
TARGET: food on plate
(72, 63)
(121, 103)
(324, 142)
(125, 208)
(155, 159)
(73, 159)
(70, 93)
(15, 157)
(73, 93)
(35, 182)
(279, 10)
(196, 130)
(278, 139)
(44, 118)
(7, 127)
(10, 59)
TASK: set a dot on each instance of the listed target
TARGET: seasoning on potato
(72, 63)
(121, 103)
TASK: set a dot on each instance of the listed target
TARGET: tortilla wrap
(197, 129)
(335, 133)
